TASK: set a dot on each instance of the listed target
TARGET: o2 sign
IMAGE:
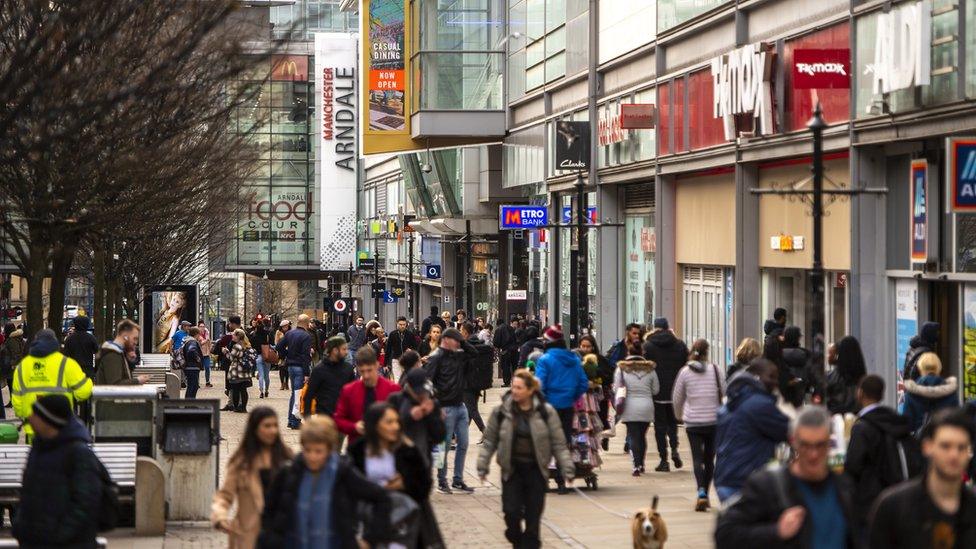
(432, 272)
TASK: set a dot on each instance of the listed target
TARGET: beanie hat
(81, 323)
(418, 382)
(55, 410)
(453, 333)
(334, 342)
(554, 333)
(661, 323)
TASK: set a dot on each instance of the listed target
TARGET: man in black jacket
(81, 345)
(533, 342)
(402, 339)
(935, 509)
(446, 368)
(328, 378)
(507, 344)
(804, 505)
(420, 415)
(866, 459)
(192, 361)
(62, 486)
(433, 320)
(669, 354)
(481, 366)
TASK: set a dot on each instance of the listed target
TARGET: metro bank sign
(522, 217)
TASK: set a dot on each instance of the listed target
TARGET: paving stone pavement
(476, 520)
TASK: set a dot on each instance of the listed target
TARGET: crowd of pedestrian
(379, 414)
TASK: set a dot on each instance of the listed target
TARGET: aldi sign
(919, 201)
(522, 217)
(962, 173)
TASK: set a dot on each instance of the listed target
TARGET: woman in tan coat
(249, 472)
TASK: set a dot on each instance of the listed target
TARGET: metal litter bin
(125, 413)
(188, 437)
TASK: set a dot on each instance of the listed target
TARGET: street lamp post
(815, 305)
(376, 279)
(817, 125)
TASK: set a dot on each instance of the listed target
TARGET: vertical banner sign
(387, 69)
(919, 216)
(337, 164)
(906, 326)
(969, 343)
(962, 173)
(572, 145)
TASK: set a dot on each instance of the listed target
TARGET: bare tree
(115, 119)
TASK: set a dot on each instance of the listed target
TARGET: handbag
(403, 520)
(268, 354)
(620, 393)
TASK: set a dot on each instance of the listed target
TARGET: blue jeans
(456, 421)
(192, 382)
(297, 376)
(264, 375)
(207, 363)
(725, 492)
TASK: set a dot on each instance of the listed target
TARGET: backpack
(178, 360)
(899, 459)
(108, 505)
(249, 361)
(482, 375)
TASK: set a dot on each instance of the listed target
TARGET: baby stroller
(584, 446)
(587, 426)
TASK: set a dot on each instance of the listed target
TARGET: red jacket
(349, 409)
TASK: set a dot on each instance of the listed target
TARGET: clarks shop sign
(741, 88)
(572, 145)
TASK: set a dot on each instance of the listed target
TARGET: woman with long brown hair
(249, 472)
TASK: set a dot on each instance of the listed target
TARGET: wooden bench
(119, 460)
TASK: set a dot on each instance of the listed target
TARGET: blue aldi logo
(962, 173)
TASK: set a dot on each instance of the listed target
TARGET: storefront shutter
(639, 197)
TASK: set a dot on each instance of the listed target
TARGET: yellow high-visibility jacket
(35, 377)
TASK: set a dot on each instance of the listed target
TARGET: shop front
(705, 250)
(786, 245)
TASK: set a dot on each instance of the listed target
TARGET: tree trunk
(60, 268)
(98, 303)
(36, 271)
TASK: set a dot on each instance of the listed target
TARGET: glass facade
(304, 18)
(636, 145)
(889, 60)
(553, 42)
(457, 58)
(279, 225)
(639, 268)
(523, 156)
(671, 13)
(624, 26)
(800, 103)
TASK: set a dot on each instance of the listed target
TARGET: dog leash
(601, 506)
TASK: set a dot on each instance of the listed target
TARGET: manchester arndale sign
(741, 86)
(338, 110)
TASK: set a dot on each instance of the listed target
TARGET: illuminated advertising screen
(387, 69)
(164, 307)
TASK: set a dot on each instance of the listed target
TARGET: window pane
(556, 67)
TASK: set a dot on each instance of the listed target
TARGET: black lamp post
(816, 305)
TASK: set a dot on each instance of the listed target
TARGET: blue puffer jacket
(561, 374)
(749, 427)
(918, 407)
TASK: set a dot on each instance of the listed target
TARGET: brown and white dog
(648, 528)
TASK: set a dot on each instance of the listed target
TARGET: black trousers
(566, 416)
(702, 441)
(238, 395)
(283, 374)
(637, 435)
(508, 362)
(665, 428)
(471, 403)
(523, 499)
